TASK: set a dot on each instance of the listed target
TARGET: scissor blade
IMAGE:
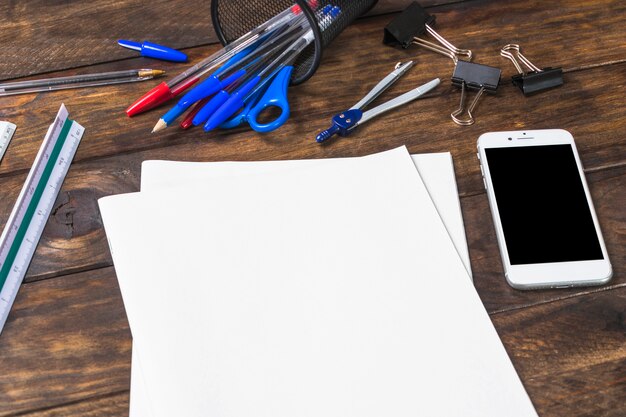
(399, 101)
(384, 84)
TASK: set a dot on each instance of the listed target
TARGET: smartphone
(547, 229)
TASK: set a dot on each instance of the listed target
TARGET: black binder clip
(471, 76)
(536, 79)
(414, 22)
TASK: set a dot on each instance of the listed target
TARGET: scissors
(272, 93)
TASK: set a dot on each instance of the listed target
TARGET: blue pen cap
(209, 108)
(230, 106)
(153, 50)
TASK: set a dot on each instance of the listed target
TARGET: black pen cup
(234, 18)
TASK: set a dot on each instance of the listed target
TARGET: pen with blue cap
(223, 95)
(212, 84)
(238, 98)
(232, 70)
(153, 50)
(174, 87)
(249, 88)
(249, 80)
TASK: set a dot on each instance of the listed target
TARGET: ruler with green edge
(6, 133)
(23, 229)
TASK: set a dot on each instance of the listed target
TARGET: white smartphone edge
(557, 274)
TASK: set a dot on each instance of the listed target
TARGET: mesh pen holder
(234, 18)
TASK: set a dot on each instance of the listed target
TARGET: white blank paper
(333, 291)
(435, 169)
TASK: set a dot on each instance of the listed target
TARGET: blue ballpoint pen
(220, 98)
(239, 97)
(251, 74)
(230, 71)
(249, 88)
(206, 88)
(256, 102)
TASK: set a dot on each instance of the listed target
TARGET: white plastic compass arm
(384, 84)
(398, 101)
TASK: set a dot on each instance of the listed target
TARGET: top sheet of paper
(435, 169)
(283, 295)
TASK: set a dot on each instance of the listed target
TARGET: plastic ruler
(6, 133)
(36, 200)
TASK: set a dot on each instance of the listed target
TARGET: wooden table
(65, 350)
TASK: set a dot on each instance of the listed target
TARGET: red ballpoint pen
(188, 121)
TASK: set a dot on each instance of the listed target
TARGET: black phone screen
(543, 208)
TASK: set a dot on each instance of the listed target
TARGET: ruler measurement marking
(5, 136)
(29, 217)
(36, 193)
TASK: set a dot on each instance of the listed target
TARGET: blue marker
(153, 50)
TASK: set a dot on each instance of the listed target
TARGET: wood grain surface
(65, 350)
(40, 36)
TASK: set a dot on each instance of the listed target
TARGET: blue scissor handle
(275, 96)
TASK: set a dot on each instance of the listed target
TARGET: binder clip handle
(445, 48)
(513, 53)
(472, 76)
(535, 79)
(470, 118)
(414, 21)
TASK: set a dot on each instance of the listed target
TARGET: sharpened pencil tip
(160, 125)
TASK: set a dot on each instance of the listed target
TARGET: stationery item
(314, 289)
(276, 40)
(78, 81)
(237, 99)
(472, 76)
(274, 96)
(172, 88)
(153, 50)
(273, 79)
(237, 67)
(345, 122)
(188, 120)
(233, 17)
(240, 87)
(29, 215)
(436, 170)
(6, 134)
(535, 79)
(205, 89)
(406, 29)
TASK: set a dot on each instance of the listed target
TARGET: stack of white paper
(305, 288)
